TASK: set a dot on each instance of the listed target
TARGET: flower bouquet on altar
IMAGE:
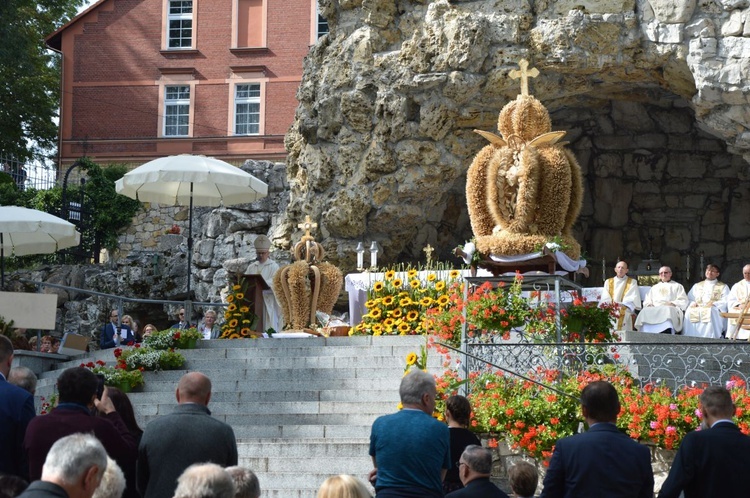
(239, 318)
(173, 338)
(146, 358)
(118, 376)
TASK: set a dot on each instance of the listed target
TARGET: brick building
(149, 78)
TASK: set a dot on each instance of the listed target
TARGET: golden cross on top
(307, 225)
(428, 251)
(525, 73)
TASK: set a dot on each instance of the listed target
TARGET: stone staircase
(301, 409)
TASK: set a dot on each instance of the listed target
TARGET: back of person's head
(204, 480)
(523, 479)
(414, 385)
(113, 482)
(12, 486)
(23, 377)
(601, 401)
(717, 402)
(6, 349)
(72, 456)
(343, 486)
(246, 483)
(77, 385)
(194, 387)
(124, 407)
(460, 409)
(478, 459)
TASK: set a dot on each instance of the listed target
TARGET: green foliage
(30, 74)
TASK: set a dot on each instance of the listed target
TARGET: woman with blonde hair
(343, 486)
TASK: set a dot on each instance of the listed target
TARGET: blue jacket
(107, 340)
(16, 411)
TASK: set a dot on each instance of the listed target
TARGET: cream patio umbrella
(191, 180)
(26, 231)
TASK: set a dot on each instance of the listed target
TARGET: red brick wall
(117, 64)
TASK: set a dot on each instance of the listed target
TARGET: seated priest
(623, 291)
(266, 268)
(707, 300)
(737, 300)
(663, 306)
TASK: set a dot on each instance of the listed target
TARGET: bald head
(194, 387)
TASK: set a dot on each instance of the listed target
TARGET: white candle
(360, 256)
(374, 254)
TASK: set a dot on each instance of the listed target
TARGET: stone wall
(654, 95)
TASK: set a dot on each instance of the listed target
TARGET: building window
(177, 111)
(247, 109)
(180, 24)
(322, 25)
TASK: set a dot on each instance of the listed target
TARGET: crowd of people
(90, 445)
(668, 309)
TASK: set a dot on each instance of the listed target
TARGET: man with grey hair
(245, 482)
(113, 482)
(205, 480)
(474, 469)
(73, 469)
(187, 436)
(23, 377)
(410, 449)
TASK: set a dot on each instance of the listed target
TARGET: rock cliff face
(655, 96)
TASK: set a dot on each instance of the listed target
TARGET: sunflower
(431, 277)
(454, 274)
(234, 336)
(440, 285)
(388, 300)
(412, 273)
(230, 298)
(236, 287)
(360, 327)
(396, 313)
(370, 303)
(426, 301)
(232, 307)
(390, 274)
(402, 294)
(443, 300)
(377, 329)
(411, 358)
(414, 284)
(245, 332)
(244, 309)
(397, 283)
(388, 322)
(233, 323)
(374, 313)
(403, 327)
(240, 296)
(405, 302)
(378, 286)
(412, 315)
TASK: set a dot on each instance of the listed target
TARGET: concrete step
(278, 395)
(281, 407)
(359, 464)
(305, 448)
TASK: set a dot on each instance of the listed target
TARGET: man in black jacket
(474, 469)
(711, 462)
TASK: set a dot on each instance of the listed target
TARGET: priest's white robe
(272, 317)
(623, 291)
(703, 315)
(662, 308)
(736, 300)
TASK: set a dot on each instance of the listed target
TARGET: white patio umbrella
(191, 180)
(26, 231)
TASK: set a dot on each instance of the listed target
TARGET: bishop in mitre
(707, 300)
(623, 291)
(266, 268)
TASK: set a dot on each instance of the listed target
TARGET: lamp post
(374, 255)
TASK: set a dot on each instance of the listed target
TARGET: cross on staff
(428, 251)
(307, 225)
(525, 73)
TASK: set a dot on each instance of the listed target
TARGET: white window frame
(247, 100)
(316, 19)
(180, 101)
(179, 17)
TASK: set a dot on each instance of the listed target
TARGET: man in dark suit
(474, 469)
(711, 462)
(77, 389)
(602, 461)
(188, 435)
(114, 334)
(183, 324)
(16, 411)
